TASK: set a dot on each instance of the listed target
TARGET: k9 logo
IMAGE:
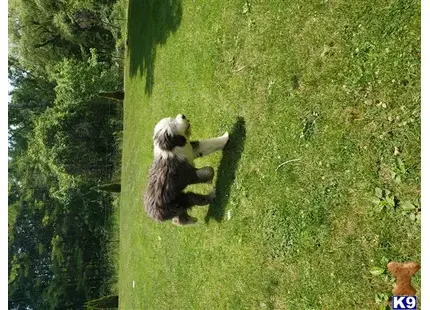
(404, 302)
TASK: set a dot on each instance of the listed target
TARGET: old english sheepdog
(173, 170)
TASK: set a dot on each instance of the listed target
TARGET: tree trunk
(112, 187)
(116, 95)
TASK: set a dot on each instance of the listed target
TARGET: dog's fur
(173, 170)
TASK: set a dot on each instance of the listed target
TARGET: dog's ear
(168, 142)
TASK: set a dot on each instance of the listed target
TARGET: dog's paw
(175, 221)
(226, 137)
(189, 220)
(208, 174)
(212, 196)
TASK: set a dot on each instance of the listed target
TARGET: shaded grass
(335, 84)
(159, 19)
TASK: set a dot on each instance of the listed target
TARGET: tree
(43, 32)
(30, 97)
(75, 136)
(61, 138)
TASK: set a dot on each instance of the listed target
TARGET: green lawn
(334, 85)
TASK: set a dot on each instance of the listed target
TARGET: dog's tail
(153, 207)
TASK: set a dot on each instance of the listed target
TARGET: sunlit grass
(333, 85)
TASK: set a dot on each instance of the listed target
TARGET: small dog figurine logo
(403, 272)
(404, 293)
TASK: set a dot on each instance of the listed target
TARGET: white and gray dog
(173, 170)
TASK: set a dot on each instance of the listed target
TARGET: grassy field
(332, 85)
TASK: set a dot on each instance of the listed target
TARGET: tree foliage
(61, 148)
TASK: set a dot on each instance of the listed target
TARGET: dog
(173, 170)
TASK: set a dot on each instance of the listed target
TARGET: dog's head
(171, 132)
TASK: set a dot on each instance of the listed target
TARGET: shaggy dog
(173, 170)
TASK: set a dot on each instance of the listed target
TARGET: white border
(4, 172)
(425, 154)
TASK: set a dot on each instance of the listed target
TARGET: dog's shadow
(227, 170)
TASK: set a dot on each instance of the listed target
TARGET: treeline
(64, 145)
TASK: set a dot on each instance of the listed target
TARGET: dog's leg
(184, 219)
(188, 200)
(194, 199)
(205, 175)
(206, 147)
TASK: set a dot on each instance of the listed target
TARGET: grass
(333, 84)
